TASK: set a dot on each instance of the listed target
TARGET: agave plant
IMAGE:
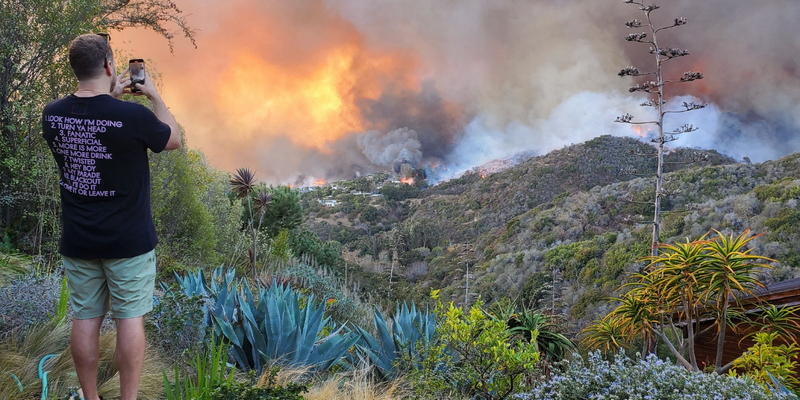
(196, 284)
(276, 329)
(193, 284)
(412, 334)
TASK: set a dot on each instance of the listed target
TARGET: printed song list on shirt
(78, 141)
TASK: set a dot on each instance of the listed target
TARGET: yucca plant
(731, 272)
(687, 283)
(785, 321)
(242, 184)
(536, 327)
(277, 329)
(607, 334)
(412, 334)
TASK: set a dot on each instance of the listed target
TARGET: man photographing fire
(108, 238)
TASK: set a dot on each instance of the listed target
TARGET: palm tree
(683, 285)
(242, 184)
(729, 273)
(674, 280)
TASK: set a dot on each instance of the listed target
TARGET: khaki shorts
(122, 285)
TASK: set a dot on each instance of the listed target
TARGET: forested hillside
(577, 218)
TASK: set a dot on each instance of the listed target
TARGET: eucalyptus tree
(661, 54)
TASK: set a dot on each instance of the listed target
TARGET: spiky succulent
(276, 329)
(243, 182)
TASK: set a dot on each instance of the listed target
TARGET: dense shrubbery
(176, 325)
(29, 300)
(651, 378)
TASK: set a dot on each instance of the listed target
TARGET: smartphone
(136, 73)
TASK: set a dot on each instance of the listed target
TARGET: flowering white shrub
(624, 379)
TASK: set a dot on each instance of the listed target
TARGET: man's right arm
(162, 112)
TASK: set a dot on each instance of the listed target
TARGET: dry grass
(355, 385)
(12, 266)
(342, 388)
(22, 357)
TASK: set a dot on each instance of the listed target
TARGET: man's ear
(110, 68)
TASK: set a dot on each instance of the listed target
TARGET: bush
(493, 364)
(765, 358)
(175, 326)
(240, 391)
(267, 388)
(652, 378)
(28, 301)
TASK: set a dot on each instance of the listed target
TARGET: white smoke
(577, 119)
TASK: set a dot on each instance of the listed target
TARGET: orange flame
(639, 132)
(407, 181)
(319, 182)
(317, 100)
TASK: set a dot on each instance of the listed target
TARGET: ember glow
(407, 181)
(319, 182)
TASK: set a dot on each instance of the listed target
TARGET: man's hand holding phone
(145, 88)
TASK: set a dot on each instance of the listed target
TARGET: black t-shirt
(100, 145)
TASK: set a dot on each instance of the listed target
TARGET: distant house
(306, 189)
(781, 294)
(376, 195)
(329, 202)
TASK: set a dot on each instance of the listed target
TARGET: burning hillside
(332, 88)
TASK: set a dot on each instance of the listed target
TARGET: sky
(305, 90)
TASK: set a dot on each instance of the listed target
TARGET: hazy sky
(310, 89)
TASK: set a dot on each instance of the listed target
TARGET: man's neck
(92, 88)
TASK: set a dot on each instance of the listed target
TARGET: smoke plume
(329, 88)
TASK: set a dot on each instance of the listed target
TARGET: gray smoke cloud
(387, 149)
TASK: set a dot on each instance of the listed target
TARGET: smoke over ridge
(329, 88)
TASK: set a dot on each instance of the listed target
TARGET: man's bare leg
(85, 343)
(130, 355)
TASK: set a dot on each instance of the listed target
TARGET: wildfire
(407, 181)
(483, 176)
(319, 182)
(639, 132)
(318, 100)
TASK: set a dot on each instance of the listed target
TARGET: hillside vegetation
(576, 218)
